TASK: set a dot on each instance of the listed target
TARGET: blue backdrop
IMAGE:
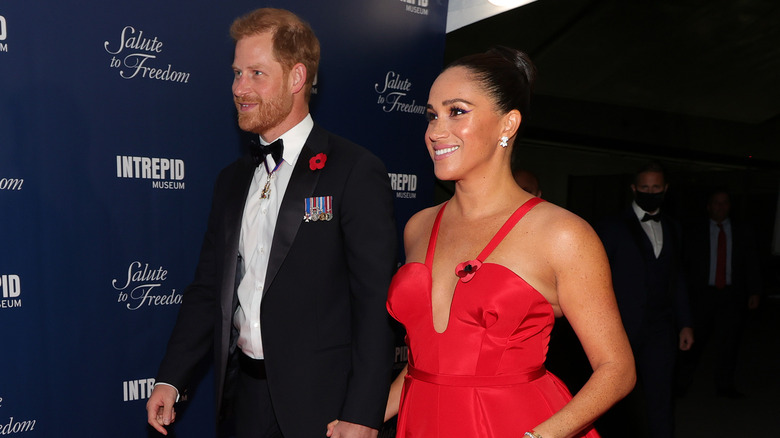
(115, 119)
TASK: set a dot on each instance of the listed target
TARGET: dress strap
(434, 235)
(507, 227)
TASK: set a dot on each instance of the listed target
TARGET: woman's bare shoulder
(422, 220)
(418, 229)
(560, 229)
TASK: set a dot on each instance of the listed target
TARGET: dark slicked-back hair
(506, 74)
(652, 166)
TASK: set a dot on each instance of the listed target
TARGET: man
(644, 250)
(528, 182)
(724, 275)
(291, 284)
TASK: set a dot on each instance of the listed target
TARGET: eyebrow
(249, 67)
(451, 101)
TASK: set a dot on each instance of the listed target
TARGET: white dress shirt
(653, 229)
(257, 231)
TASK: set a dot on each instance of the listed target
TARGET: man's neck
(293, 119)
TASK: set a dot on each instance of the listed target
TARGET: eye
(457, 111)
(236, 73)
(257, 73)
(430, 116)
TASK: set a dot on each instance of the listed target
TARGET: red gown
(484, 376)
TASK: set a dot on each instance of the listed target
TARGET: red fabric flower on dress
(318, 161)
(467, 269)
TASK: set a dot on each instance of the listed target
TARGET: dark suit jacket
(326, 338)
(630, 256)
(745, 268)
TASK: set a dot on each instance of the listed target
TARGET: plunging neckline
(497, 238)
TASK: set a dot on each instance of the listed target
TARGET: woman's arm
(394, 399)
(583, 286)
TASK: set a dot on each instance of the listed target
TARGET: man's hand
(159, 408)
(753, 301)
(686, 338)
(344, 429)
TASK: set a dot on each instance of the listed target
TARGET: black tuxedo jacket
(631, 259)
(326, 338)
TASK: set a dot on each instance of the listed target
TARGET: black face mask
(649, 201)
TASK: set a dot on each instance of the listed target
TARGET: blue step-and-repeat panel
(115, 118)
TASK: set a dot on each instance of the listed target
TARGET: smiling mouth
(446, 150)
(245, 106)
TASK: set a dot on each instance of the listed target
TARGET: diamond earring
(503, 141)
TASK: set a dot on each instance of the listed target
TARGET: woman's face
(463, 125)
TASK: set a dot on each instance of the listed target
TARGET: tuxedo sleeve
(370, 243)
(192, 336)
(683, 314)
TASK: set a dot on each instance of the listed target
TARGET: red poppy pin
(466, 270)
(318, 161)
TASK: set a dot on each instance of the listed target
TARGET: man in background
(644, 249)
(528, 182)
(724, 277)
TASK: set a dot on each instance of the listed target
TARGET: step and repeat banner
(115, 118)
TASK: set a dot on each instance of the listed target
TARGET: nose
(435, 131)
(240, 86)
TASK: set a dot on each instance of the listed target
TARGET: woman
(488, 271)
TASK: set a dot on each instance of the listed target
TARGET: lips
(444, 152)
(245, 106)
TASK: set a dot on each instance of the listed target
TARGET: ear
(297, 78)
(511, 123)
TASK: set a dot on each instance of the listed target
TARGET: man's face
(527, 182)
(261, 88)
(719, 207)
(649, 182)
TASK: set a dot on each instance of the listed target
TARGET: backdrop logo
(3, 34)
(142, 287)
(404, 185)
(419, 7)
(401, 354)
(393, 95)
(11, 183)
(15, 426)
(10, 291)
(137, 389)
(165, 173)
(137, 54)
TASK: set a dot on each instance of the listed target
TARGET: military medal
(319, 208)
(267, 188)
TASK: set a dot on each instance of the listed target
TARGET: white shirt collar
(294, 139)
(726, 222)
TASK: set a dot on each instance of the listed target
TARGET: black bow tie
(260, 151)
(651, 217)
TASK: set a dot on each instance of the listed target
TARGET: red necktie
(720, 266)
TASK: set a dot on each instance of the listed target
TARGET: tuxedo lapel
(301, 186)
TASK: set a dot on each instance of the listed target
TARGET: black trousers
(253, 411)
(719, 319)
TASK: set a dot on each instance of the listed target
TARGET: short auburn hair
(293, 39)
